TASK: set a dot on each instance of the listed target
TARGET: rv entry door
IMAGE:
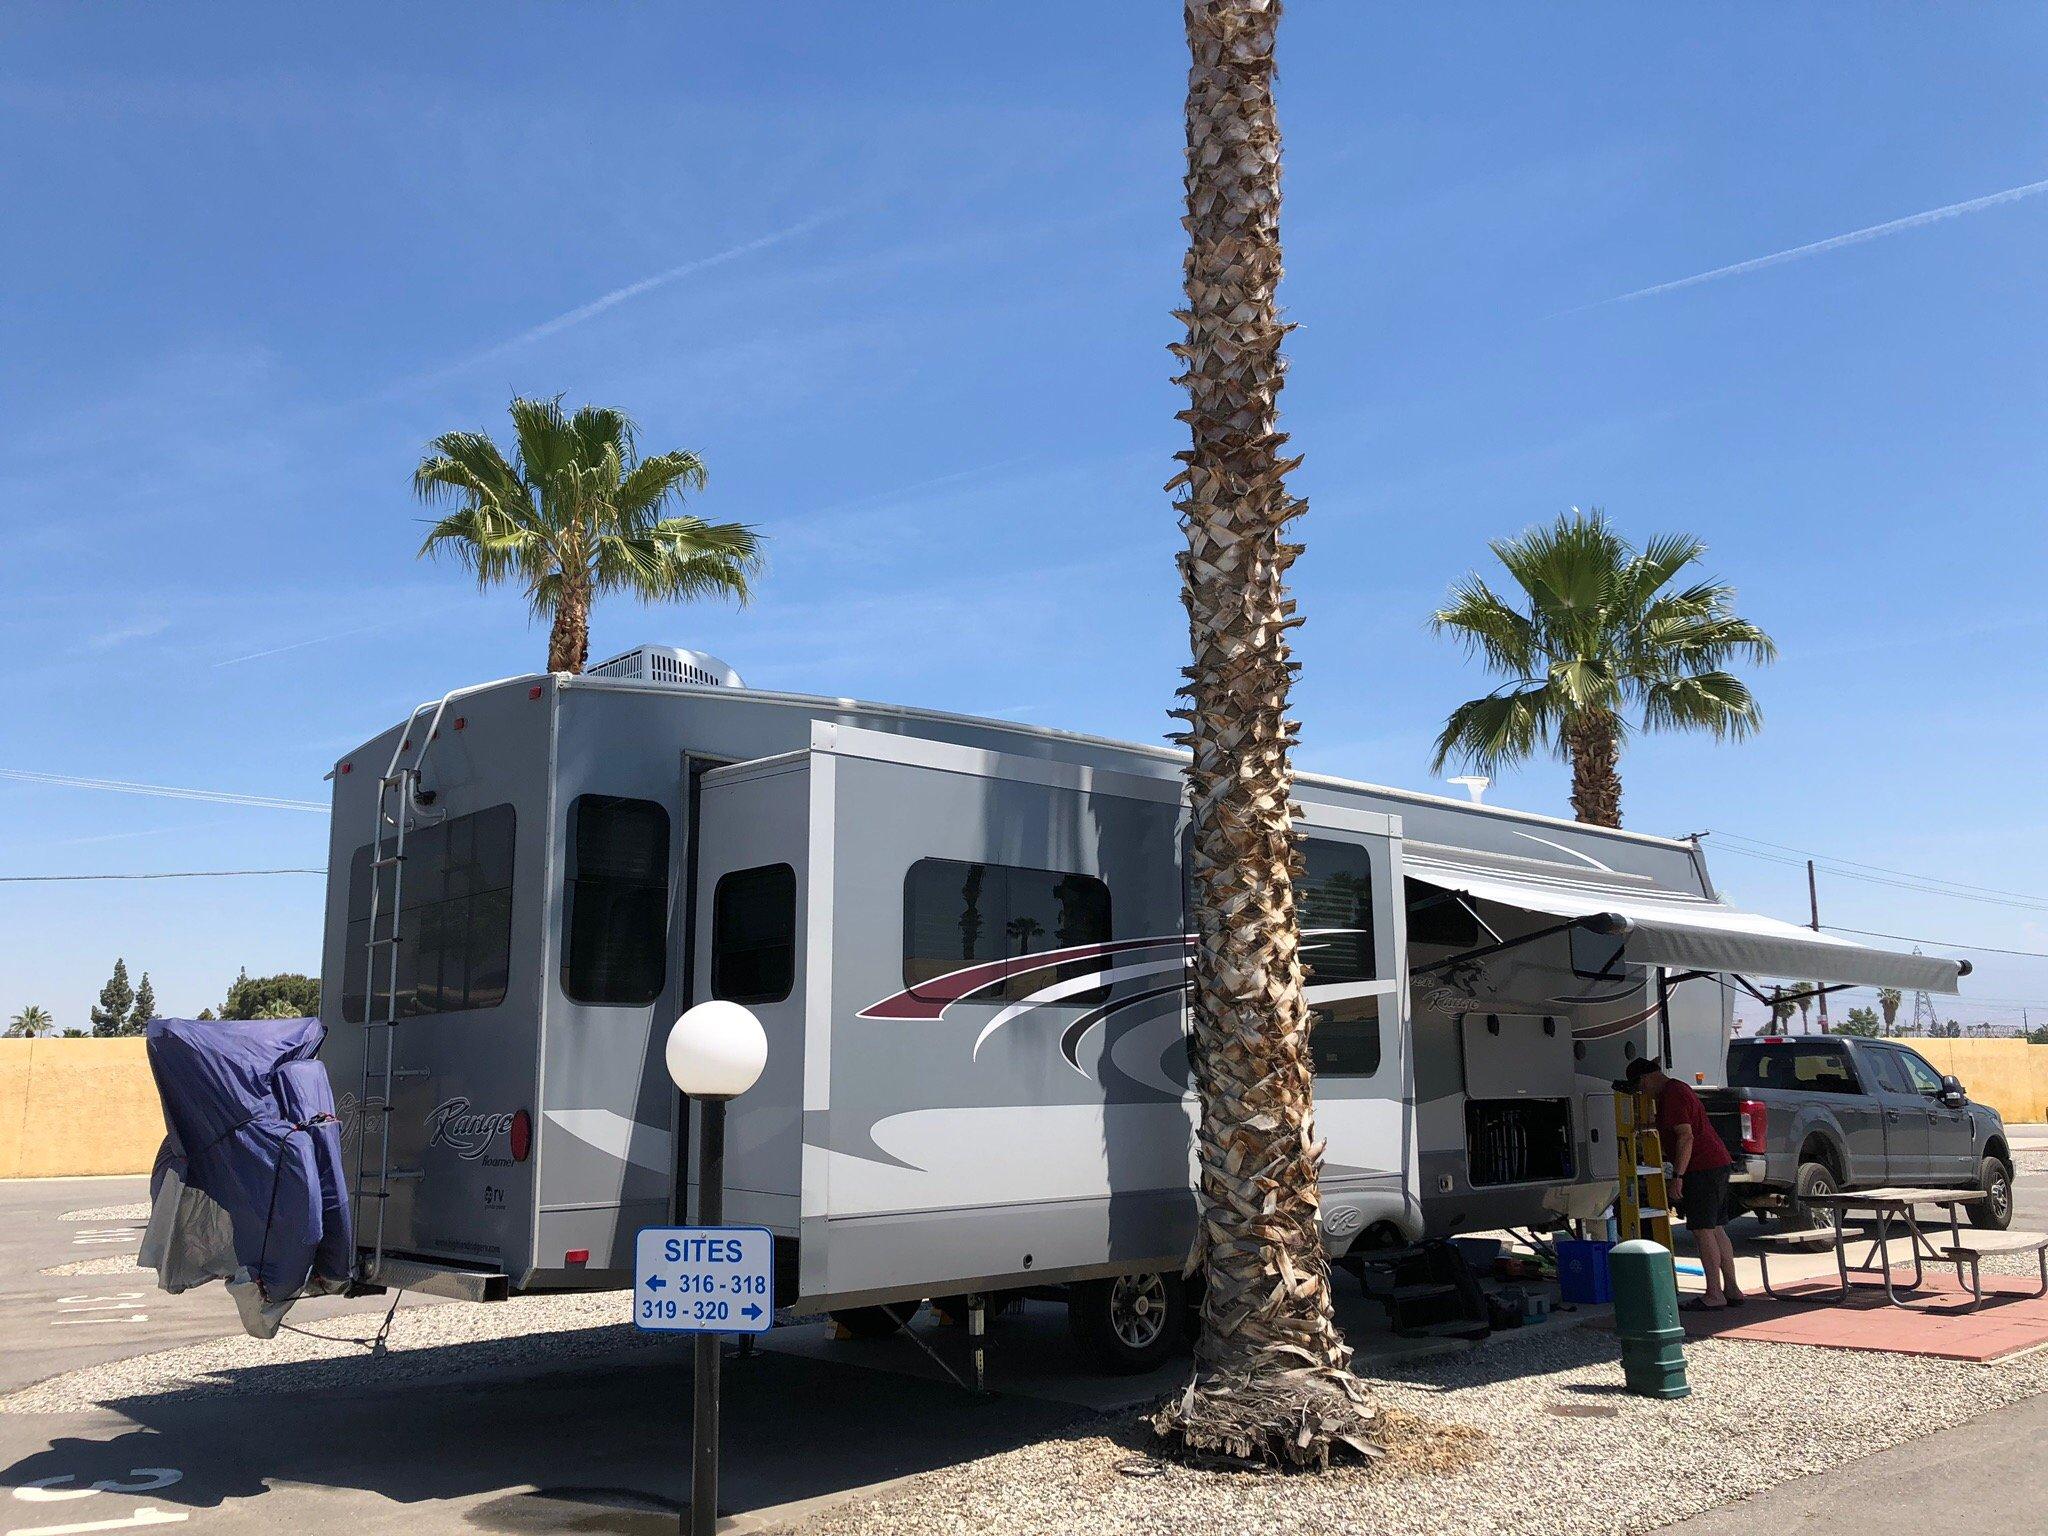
(1353, 932)
(752, 874)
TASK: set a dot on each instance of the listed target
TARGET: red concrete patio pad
(1935, 1320)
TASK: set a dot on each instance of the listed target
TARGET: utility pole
(1813, 905)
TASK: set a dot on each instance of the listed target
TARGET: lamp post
(715, 1052)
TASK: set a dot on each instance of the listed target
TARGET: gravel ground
(533, 1332)
(137, 1210)
(112, 1264)
(1566, 1452)
(2030, 1160)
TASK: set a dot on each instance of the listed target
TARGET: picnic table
(1899, 1207)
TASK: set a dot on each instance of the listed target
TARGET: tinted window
(1439, 917)
(1818, 1067)
(753, 934)
(1891, 1073)
(1334, 898)
(957, 915)
(616, 901)
(455, 926)
(1925, 1078)
(1344, 1040)
(1597, 956)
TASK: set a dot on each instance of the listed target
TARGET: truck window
(1925, 1078)
(1890, 1071)
(615, 901)
(456, 919)
(1818, 1066)
(957, 914)
(1334, 898)
(753, 934)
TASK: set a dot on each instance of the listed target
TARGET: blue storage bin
(1582, 1272)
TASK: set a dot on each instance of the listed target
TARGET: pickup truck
(1810, 1115)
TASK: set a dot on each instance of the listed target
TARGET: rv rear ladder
(388, 852)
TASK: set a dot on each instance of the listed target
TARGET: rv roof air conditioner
(668, 664)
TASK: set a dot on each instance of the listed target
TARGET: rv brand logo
(451, 1124)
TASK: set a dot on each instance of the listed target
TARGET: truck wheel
(1814, 1179)
(876, 1322)
(1994, 1211)
(1130, 1323)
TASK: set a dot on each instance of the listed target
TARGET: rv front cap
(716, 1050)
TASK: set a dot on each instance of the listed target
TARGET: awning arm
(1608, 924)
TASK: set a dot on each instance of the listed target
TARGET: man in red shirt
(1699, 1184)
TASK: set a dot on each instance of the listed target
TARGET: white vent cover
(668, 664)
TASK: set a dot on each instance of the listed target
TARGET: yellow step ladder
(1644, 1206)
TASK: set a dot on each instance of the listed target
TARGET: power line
(164, 874)
(1909, 879)
(1908, 938)
(164, 791)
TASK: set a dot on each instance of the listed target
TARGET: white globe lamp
(716, 1050)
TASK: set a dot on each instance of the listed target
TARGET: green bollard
(1646, 1318)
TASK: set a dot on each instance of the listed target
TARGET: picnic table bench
(1899, 1206)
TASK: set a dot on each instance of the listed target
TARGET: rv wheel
(1130, 1323)
(876, 1322)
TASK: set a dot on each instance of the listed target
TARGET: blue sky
(902, 276)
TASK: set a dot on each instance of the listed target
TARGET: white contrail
(300, 645)
(617, 296)
(164, 791)
(1832, 243)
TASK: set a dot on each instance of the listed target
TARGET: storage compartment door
(1517, 1056)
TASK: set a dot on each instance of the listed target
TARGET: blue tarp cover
(252, 1127)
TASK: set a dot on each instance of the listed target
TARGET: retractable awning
(1680, 931)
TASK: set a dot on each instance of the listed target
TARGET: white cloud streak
(616, 297)
(1832, 243)
(163, 791)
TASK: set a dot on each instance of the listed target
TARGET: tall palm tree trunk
(569, 636)
(1593, 741)
(1272, 1379)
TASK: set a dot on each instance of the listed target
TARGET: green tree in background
(1600, 637)
(117, 1001)
(144, 1009)
(575, 512)
(29, 1023)
(1888, 999)
(1861, 1021)
(287, 995)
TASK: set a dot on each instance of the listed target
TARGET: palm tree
(576, 511)
(1272, 1378)
(1888, 1000)
(31, 1021)
(1601, 636)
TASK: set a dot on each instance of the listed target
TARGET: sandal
(1736, 1298)
(1699, 1304)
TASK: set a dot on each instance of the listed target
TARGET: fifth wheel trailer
(966, 941)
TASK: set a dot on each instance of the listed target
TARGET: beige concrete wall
(70, 1107)
(2009, 1075)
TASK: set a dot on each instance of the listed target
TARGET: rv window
(753, 934)
(1344, 1040)
(957, 915)
(616, 902)
(1439, 917)
(1334, 896)
(456, 923)
(1597, 956)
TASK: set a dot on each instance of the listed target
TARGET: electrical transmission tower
(1924, 1022)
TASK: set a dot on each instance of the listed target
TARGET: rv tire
(1129, 1323)
(876, 1322)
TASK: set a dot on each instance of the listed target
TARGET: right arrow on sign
(750, 1311)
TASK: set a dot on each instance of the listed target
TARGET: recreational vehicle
(965, 939)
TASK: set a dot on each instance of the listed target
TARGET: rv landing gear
(876, 1322)
(1129, 1323)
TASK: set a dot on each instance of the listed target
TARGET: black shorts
(1703, 1198)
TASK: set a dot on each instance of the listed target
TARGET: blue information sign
(704, 1279)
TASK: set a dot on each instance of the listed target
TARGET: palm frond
(1718, 703)
(1484, 621)
(1504, 727)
